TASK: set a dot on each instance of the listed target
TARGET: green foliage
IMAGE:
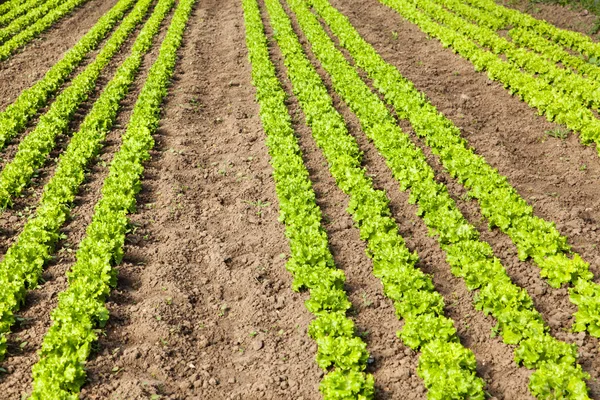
(563, 80)
(347, 385)
(499, 201)
(469, 257)
(60, 371)
(23, 263)
(554, 103)
(415, 298)
(19, 10)
(339, 350)
(26, 28)
(15, 117)
(9, 5)
(33, 150)
(509, 17)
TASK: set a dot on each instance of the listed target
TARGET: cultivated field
(299, 199)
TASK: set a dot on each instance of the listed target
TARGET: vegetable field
(299, 199)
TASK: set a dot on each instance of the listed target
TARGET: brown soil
(203, 308)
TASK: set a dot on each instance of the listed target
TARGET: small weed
(395, 35)
(259, 205)
(559, 133)
(583, 167)
(366, 301)
(223, 309)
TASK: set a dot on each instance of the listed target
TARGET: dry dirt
(203, 307)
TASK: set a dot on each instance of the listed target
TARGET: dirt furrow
(203, 308)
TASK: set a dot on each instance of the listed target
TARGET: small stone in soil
(257, 345)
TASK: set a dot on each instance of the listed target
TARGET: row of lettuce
(18, 10)
(81, 307)
(530, 36)
(16, 116)
(571, 84)
(499, 202)
(23, 263)
(33, 149)
(27, 27)
(60, 371)
(557, 372)
(448, 369)
(508, 17)
(339, 351)
(551, 101)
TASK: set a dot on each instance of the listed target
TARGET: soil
(203, 307)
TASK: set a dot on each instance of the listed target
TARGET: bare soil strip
(204, 307)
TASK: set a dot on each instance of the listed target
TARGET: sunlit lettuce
(23, 263)
(412, 291)
(499, 202)
(347, 385)
(574, 40)
(26, 28)
(60, 372)
(586, 295)
(470, 258)
(340, 352)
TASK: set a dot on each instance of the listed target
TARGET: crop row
(526, 37)
(537, 93)
(19, 10)
(504, 208)
(25, 20)
(14, 119)
(34, 148)
(447, 368)
(555, 52)
(27, 29)
(584, 90)
(557, 372)
(8, 5)
(573, 40)
(60, 371)
(23, 263)
(498, 200)
(311, 262)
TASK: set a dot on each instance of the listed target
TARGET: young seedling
(559, 133)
